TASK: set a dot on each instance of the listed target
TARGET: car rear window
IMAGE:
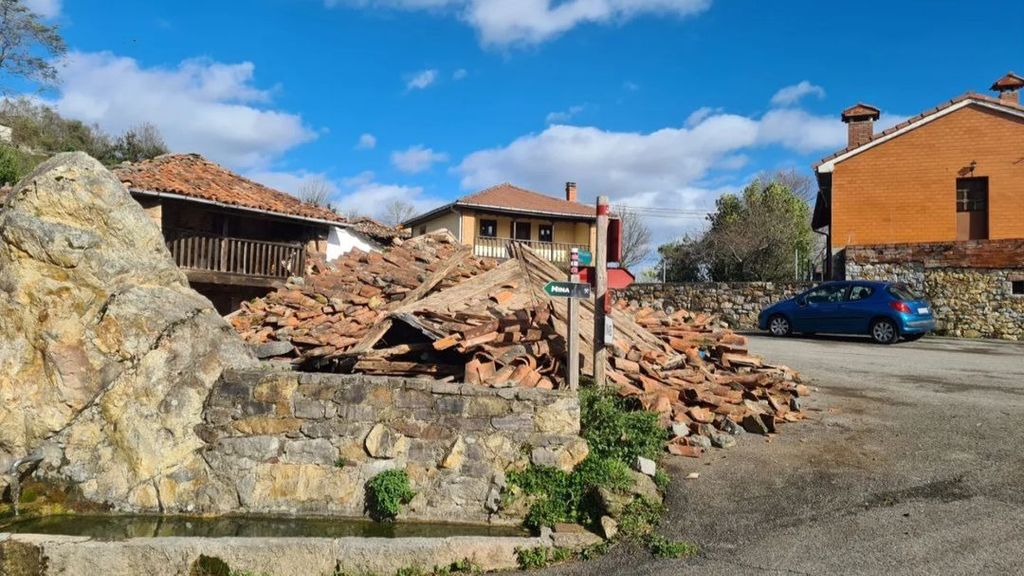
(903, 292)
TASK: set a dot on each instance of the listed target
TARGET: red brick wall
(904, 190)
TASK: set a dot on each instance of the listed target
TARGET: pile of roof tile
(428, 309)
(329, 312)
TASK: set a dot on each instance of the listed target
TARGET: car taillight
(900, 306)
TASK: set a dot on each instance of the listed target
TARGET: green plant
(662, 479)
(210, 566)
(342, 462)
(619, 428)
(386, 493)
(541, 556)
(639, 518)
(664, 548)
(617, 432)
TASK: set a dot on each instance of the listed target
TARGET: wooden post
(600, 289)
(573, 365)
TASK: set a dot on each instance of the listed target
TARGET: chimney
(1009, 88)
(570, 191)
(860, 121)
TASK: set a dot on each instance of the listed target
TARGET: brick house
(952, 173)
(490, 219)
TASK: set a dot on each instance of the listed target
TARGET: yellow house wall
(564, 231)
(447, 221)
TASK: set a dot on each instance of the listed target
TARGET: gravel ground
(911, 462)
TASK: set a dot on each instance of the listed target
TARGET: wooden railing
(195, 251)
(557, 252)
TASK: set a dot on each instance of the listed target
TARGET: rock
(729, 426)
(644, 486)
(680, 430)
(105, 349)
(645, 466)
(613, 503)
(759, 423)
(794, 404)
(702, 442)
(382, 442)
(720, 440)
(573, 537)
(564, 457)
(609, 527)
(273, 348)
(455, 454)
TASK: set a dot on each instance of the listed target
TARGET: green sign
(586, 258)
(567, 290)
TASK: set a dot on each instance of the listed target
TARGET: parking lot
(911, 462)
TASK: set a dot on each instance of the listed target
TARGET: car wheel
(778, 325)
(884, 331)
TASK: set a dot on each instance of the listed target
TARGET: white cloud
(564, 116)
(506, 22)
(671, 168)
(366, 142)
(363, 195)
(460, 74)
(630, 86)
(792, 94)
(421, 79)
(199, 106)
(45, 8)
(291, 182)
(417, 159)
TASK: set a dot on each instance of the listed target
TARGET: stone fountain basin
(170, 546)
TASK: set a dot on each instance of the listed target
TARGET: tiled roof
(513, 198)
(196, 177)
(973, 96)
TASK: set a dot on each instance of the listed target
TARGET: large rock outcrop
(106, 355)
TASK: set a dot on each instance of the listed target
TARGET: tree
(316, 191)
(11, 165)
(762, 234)
(681, 261)
(135, 145)
(636, 238)
(27, 45)
(399, 211)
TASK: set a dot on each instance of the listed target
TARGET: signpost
(572, 290)
(586, 257)
(573, 345)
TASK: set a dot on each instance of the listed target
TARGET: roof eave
(507, 210)
(427, 215)
(185, 198)
(828, 165)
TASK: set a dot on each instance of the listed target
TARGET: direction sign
(567, 290)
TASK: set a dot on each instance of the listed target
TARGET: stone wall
(295, 443)
(736, 303)
(970, 284)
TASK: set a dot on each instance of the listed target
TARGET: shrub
(541, 556)
(619, 428)
(664, 548)
(386, 493)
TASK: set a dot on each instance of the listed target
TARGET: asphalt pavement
(911, 462)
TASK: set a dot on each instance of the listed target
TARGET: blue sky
(657, 103)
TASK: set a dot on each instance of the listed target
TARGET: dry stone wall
(970, 284)
(736, 303)
(296, 443)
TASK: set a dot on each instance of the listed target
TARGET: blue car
(885, 311)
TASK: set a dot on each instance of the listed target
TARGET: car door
(858, 308)
(818, 309)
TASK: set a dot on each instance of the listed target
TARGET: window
(1017, 287)
(521, 231)
(904, 292)
(860, 293)
(971, 208)
(825, 294)
(489, 228)
(546, 232)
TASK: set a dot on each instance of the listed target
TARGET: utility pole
(601, 290)
(573, 365)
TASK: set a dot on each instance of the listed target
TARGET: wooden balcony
(216, 259)
(498, 248)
